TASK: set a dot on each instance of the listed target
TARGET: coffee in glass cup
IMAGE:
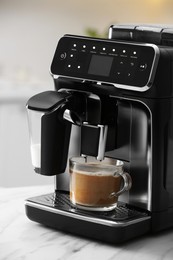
(96, 185)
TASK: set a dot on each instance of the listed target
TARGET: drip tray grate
(60, 201)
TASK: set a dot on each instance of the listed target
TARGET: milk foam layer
(35, 155)
(94, 173)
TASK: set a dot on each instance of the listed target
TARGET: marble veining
(22, 239)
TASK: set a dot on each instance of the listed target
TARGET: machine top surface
(159, 34)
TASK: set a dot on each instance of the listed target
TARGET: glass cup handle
(127, 184)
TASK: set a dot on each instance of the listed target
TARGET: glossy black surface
(103, 60)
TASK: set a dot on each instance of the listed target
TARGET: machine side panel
(140, 156)
(169, 161)
(134, 148)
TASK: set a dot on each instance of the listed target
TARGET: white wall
(29, 31)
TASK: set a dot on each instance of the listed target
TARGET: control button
(123, 53)
(69, 67)
(78, 66)
(132, 64)
(94, 47)
(74, 45)
(123, 62)
(119, 75)
(113, 50)
(129, 75)
(134, 55)
(143, 66)
(72, 55)
(63, 55)
(84, 46)
(103, 48)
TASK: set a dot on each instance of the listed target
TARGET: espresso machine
(117, 95)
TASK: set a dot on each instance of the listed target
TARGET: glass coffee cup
(96, 185)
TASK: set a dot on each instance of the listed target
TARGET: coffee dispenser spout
(102, 142)
(93, 140)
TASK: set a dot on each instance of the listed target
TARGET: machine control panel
(123, 64)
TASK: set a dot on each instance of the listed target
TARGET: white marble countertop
(22, 239)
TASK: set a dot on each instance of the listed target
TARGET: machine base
(116, 226)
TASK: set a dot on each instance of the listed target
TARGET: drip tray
(59, 203)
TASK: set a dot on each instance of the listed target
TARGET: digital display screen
(100, 65)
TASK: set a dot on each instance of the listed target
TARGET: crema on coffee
(94, 189)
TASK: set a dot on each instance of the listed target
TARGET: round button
(142, 66)
(63, 55)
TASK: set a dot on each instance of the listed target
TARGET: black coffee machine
(117, 94)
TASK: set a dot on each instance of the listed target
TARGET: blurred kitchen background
(29, 32)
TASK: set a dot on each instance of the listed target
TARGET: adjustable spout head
(89, 117)
(93, 140)
(100, 135)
